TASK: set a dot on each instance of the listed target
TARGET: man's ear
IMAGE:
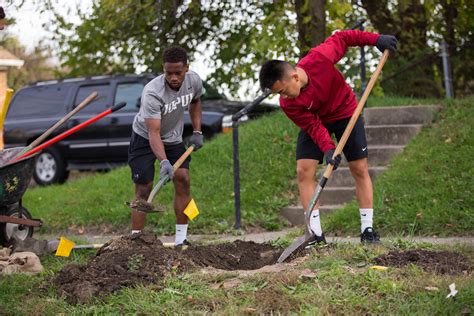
(186, 67)
(295, 76)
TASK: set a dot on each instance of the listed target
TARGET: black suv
(101, 145)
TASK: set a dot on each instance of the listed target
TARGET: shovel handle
(165, 179)
(43, 136)
(69, 132)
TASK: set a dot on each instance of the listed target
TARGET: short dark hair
(2, 13)
(271, 72)
(175, 54)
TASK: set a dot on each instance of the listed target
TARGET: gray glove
(197, 140)
(328, 157)
(386, 42)
(166, 169)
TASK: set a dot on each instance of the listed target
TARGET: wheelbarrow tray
(14, 177)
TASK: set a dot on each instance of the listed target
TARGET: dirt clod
(442, 262)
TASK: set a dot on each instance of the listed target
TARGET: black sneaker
(316, 241)
(369, 236)
(184, 244)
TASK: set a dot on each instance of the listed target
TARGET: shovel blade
(297, 244)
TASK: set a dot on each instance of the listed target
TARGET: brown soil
(142, 259)
(441, 262)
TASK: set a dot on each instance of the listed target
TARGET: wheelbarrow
(15, 220)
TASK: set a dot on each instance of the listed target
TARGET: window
(100, 103)
(39, 101)
(130, 93)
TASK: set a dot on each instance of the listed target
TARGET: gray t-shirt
(159, 101)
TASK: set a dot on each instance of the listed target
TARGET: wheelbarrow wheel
(10, 230)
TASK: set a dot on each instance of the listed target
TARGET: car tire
(50, 167)
(9, 230)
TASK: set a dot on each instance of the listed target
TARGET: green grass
(433, 177)
(343, 284)
(375, 101)
(428, 189)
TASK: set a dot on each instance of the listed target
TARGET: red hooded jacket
(327, 97)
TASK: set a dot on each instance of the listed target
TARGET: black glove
(328, 157)
(197, 140)
(386, 42)
(166, 169)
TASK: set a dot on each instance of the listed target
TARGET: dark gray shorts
(141, 158)
(355, 148)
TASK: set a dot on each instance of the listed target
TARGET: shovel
(302, 241)
(43, 136)
(69, 132)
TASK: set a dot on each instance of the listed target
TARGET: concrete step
(294, 213)
(391, 134)
(342, 177)
(397, 115)
(379, 155)
(337, 195)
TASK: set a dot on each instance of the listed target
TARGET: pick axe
(302, 241)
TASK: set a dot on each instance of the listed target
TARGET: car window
(100, 102)
(39, 101)
(130, 93)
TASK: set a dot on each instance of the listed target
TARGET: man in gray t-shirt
(158, 134)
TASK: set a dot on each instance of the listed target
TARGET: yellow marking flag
(64, 248)
(191, 210)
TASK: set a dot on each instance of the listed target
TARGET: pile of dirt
(142, 259)
(441, 262)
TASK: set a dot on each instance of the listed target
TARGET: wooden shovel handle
(43, 136)
(165, 179)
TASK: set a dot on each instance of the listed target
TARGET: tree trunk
(311, 23)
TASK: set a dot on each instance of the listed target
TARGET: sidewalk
(269, 236)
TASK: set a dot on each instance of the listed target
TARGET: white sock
(315, 223)
(181, 232)
(136, 231)
(366, 215)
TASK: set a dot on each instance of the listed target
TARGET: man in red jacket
(315, 96)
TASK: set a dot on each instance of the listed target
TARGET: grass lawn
(337, 281)
(428, 189)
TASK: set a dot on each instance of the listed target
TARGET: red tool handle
(71, 131)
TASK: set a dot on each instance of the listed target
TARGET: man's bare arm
(154, 127)
(195, 112)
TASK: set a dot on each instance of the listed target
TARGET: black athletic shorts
(141, 158)
(355, 148)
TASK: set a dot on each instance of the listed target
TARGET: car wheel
(50, 167)
(10, 230)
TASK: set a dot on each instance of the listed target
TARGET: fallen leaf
(448, 140)
(307, 274)
(378, 268)
(249, 310)
(431, 288)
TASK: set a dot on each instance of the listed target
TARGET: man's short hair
(175, 54)
(271, 72)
